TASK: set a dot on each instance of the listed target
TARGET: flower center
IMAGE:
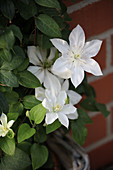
(76, 56)
(56, 108)
(4, 128)
(47, 64)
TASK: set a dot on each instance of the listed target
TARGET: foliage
(24, 23)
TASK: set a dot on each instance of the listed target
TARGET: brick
(112, 48)
(112, 119)
(104, 88)
(101, 56)
(96, 130)
(94, 18)
(69, 2)
(101, 156)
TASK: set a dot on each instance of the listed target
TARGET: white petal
(2, 132)
(52, 53)
(63, 119)
(68, 108)
(50, 118)
(91, 48)
(41, 75)
(74, 97)
(47, 104)
(60, 80)
(93, 67)
(77, 76)
(31, 51)
(60, 68)
(3, 120)
(52, 83)
(38, 72)
(51, 97)
(60, 44)
(34, 69)
(77, 37)
(62, 97)
(1, 127)
(65, 85)
(73, 115)
(64, 75)
(10, 123)
(40, 93)
(43, 54)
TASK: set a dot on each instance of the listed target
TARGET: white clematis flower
(76, 57)
(54, 100)
(4, 126)
(74, 97)
(42, 64)
(57, 109)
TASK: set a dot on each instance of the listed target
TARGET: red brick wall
(96, 18)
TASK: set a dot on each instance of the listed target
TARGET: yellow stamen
(4, 128)
(57, 108)
(76, 56)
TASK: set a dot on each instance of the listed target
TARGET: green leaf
(3, 103)
(102, 108)
(49, 11)
(27, 79)
(12, 116)
(6, 55)
(48, 3)
(3, 21)
(18, 57)
(25, 146)
(79, 131)
(25, 132)
(37, 113)
(5, 88)
(48, 26)
(65, 35)
(12, 97)
(43, 41)
(7, 145)
(30, 101)
(67, 17)
(89, 104)
(18, 161)
(52, 127)
(40, 135)
(7, 40)
(83, 116)
(89, 90)
(25, 1)
(24, 65)
(59, 20)
(39, 155)
(16, 108)
(8, 78)
(16, 31)
(26, 10)
(7, 8)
